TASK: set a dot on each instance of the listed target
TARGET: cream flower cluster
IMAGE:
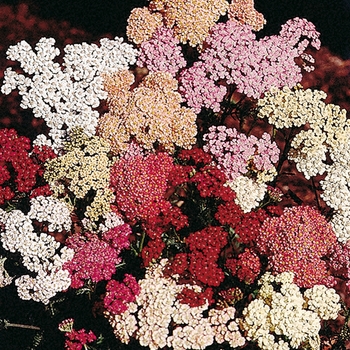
(287, 313)
(336, 192)
(41, 254)
(249, 193)
(328, 127)
(5, 278)
(157, 310)
(65, 97)
(52, 211)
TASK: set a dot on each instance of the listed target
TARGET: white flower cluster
(5, 278)
(288, 313)
(52, 211)
(336, 191)
(249, 193)
(156, 312)
(40, 253)
(65, 97)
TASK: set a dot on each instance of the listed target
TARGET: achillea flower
(94, 259)
(236, 154)
(161, 53)
(150, 114)
(296, 242)
(232, 53)
(244, 12)
(84, 158)
(142, 24)
(20, 168)
(199, 91)
(191, 20)
(139, 184)
(120, 294)
(65, 98)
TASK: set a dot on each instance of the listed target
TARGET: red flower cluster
(140, 184)
(20, 170)
(119, 294)
(205, 247)
(247, 267)
(296, 242)
(194, 299)
(76, 340)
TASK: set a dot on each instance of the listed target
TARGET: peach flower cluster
(150, 114)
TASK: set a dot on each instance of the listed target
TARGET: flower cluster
(41, 254)
(151, 113)
(65, 98)
(281, 309)
(161, 53)
(157, 310)
(20, 168)
(84, 158)
(296, 242)
(75, 340)
(190, 20)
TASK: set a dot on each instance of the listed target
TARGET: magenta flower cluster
(162, 53)
(236, 153)
(199, 90)
(232, 54)
(120, 294)
(96, 259)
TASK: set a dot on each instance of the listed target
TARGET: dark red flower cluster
(152, 250)
(194, 299)
(246, 267)
(120, 294)
(21, 170)
(205, 247)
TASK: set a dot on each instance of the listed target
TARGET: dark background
(332, 18)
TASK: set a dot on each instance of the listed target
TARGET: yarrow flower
(150, 114)
(139, 184)
(296, 242)
(161, 53)
(65, 98)
(286, 312)
(41, 255)
(232, 53)
(190, 20)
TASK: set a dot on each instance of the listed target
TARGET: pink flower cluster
(339, 262)
(140, 184)
(95, 259)
(162, 52)
(235, 153)
(232, 53)
(119, 294)
(297, 241)
(199, 90)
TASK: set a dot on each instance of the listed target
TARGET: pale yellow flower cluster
(285, 318)
(327, 125)
(244, 12)
(150, 114)
(190, 19)
(82, 172)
